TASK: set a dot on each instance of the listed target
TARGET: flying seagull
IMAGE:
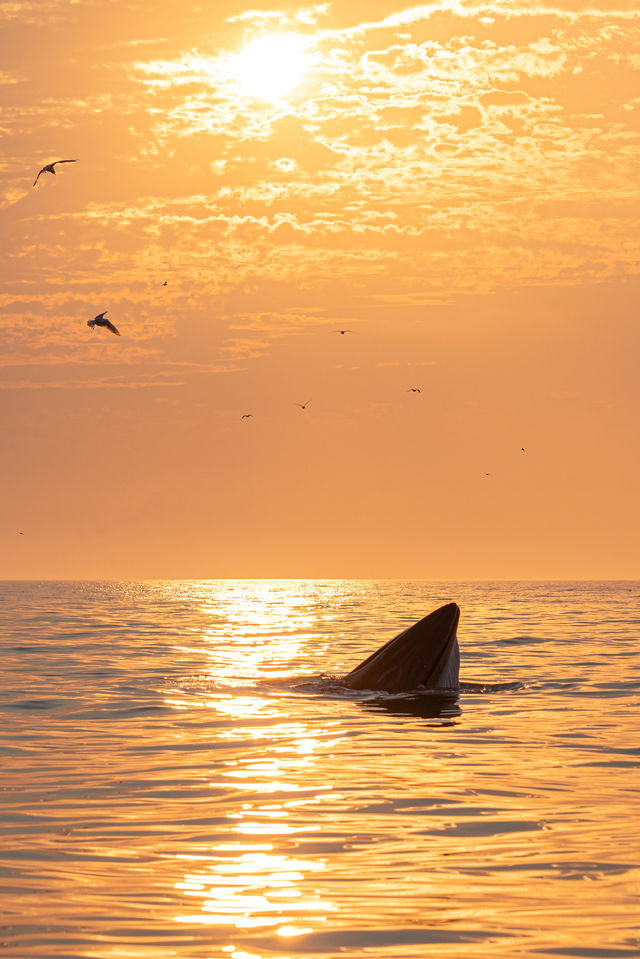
(413, 389)
(303, 406)
(99, 320)
(343, 331)
(165, 283)
(247, 416)
(49, 168)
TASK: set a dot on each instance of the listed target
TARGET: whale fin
(424, 655)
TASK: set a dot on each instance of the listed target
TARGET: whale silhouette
(425, 655)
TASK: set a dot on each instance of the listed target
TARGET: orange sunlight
(271, 66)
(374, 276)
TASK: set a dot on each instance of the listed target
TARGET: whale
(426, 655)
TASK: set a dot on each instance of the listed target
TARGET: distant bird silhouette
(343, 331)
(20, 534)
(99, 320)
(523, 449)
(247, 416)
(413, 389)
(486, 474)
(165, 283)
(49, 168)
(303, 406)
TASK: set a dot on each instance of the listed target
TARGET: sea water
(183, 777)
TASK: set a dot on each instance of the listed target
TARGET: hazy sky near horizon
(455, 182)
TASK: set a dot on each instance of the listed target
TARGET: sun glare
(271, 66)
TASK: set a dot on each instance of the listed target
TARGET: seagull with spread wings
(49, 168)
(99, 320)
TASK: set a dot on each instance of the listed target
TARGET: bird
(303, 406)
(20, 534)
(413, 389)
(486, 474)
(343, 331)
(165, 283)
(247, 416)
(99, 320)
(49, 168)
(523, 449)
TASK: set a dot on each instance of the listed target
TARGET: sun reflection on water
(250, 886)
(193, 815)
(256, 632)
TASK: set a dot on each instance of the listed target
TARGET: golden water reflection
(255, 633)
(205, 818)
(248, 884)
(253, 883)
(253, 886)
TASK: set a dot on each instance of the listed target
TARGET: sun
(271, 66)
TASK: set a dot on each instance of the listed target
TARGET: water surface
(178, 781)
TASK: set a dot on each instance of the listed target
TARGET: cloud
(276, 18)
(442, 149)
(567, 394)
(102, 383)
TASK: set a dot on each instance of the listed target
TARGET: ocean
(182, 777)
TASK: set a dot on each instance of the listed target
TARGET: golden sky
(456, 183)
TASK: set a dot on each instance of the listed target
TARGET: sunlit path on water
(179, 781)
